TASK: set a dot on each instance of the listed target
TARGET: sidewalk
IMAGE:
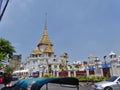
(85, 83)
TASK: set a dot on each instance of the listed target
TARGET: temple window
(54, 59)
(39, 55)
(49, 54)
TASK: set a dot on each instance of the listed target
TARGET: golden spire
(48, 49)
(45, 39)
(36, 51)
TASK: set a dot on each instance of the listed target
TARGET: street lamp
(105, 60)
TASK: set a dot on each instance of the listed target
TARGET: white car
(112, 83)
(15, 77)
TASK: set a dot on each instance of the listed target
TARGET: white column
(57, 73)
(53, 72)
(94, 70)
(111, 71)
(101, 71)
(69, 73)
(40, 74)
(74, 73)
(87, 72)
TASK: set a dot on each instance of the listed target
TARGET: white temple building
(114, 64)
(44, 61)
(43, 58)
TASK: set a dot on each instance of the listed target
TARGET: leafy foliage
(92, 78)
(6, 49)
(8, 69)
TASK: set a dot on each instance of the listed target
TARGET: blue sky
(78, 27)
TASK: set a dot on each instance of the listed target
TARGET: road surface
(58, 87)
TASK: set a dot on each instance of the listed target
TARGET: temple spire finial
(45, 39)
(45, 28)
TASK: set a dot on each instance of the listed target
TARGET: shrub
(91, 78)
(82, 78)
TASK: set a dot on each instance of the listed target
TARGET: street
(58, 87)
(1, 85)
(13, 82)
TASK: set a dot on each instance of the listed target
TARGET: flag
(90, 56)
(1, 4)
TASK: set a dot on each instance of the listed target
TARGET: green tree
(8, 69)
(6, 49)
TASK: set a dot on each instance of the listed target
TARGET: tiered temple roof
(45, 39)
(36, 51)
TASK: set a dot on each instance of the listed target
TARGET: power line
(1, 15)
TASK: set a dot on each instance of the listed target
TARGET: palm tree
(6, 49)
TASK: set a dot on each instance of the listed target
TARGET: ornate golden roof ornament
(36, 51)
(45, 39)
(48, 49)
(65, 55)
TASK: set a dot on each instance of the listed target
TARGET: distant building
(15, 62)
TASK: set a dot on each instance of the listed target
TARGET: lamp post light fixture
(105, 60)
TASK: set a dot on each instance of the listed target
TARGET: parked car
(15, 77)
(1, 79)
(112, 83)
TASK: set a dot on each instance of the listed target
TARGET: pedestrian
(7, 81)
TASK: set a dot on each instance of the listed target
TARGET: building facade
(15, 62)
(43, 58)
(114, 64)
(44, 61)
